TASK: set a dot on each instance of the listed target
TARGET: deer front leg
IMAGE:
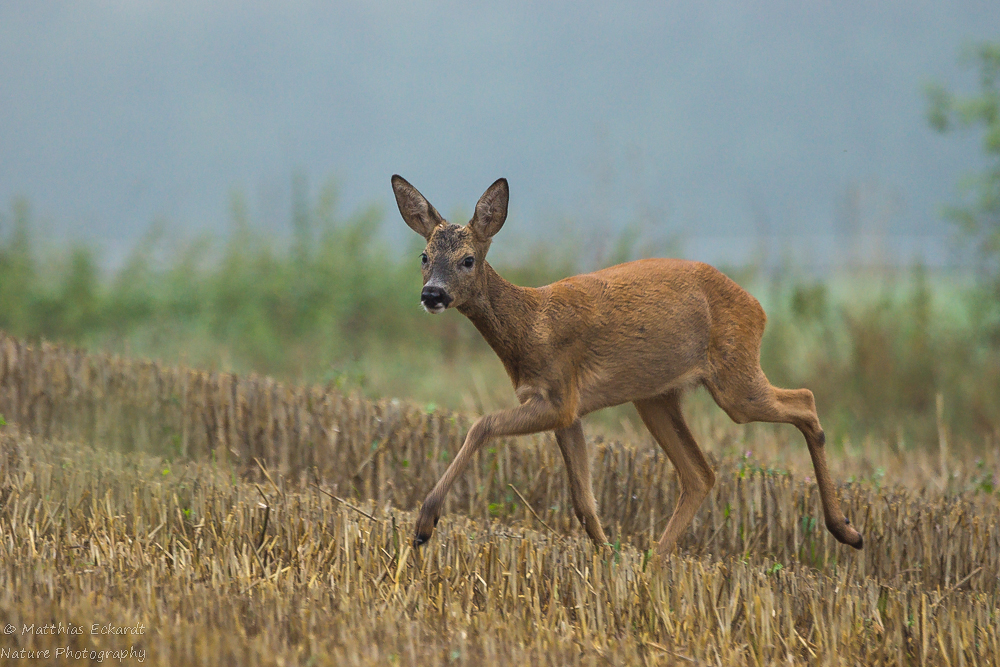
(535, 415)
(574, 450)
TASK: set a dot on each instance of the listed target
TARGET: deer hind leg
(662, 416)
(754, 399)
(574, 451)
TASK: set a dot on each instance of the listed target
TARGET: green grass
(337, 303)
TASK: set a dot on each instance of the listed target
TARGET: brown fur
(640, 332)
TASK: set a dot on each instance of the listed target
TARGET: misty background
(728, 133)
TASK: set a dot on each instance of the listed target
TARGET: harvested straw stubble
(91, 535)
(308, 433)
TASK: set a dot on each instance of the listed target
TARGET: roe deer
(643, 332)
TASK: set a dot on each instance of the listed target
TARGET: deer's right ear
(417, 212)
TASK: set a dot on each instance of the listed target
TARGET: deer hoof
(426, 522)
(422, 536)
(846, 534)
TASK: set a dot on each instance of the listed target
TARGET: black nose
(432, 297)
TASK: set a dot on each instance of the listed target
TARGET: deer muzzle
(434, 299)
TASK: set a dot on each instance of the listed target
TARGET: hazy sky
(711, 123)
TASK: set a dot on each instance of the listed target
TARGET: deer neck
(504, 313)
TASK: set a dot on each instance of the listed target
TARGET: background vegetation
(338, 304)
(891, 354)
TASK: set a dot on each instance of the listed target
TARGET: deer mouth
(435, 309)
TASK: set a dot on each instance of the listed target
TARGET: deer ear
(417, 212)
(491, 211)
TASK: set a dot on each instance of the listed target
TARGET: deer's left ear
(491, 211)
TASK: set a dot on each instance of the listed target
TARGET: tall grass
(336, 303)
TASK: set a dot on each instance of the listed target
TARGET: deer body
(640, 332)
(624, 333)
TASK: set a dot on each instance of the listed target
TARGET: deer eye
(423, 258)
(468, 262)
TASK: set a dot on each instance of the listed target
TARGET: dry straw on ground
(236, 573)
(225, 563)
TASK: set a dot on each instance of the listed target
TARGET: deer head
(453, 261)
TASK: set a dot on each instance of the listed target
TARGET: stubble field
(236, 520)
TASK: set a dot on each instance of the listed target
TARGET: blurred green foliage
(978, 216)
(337, 303)
(877, 349)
